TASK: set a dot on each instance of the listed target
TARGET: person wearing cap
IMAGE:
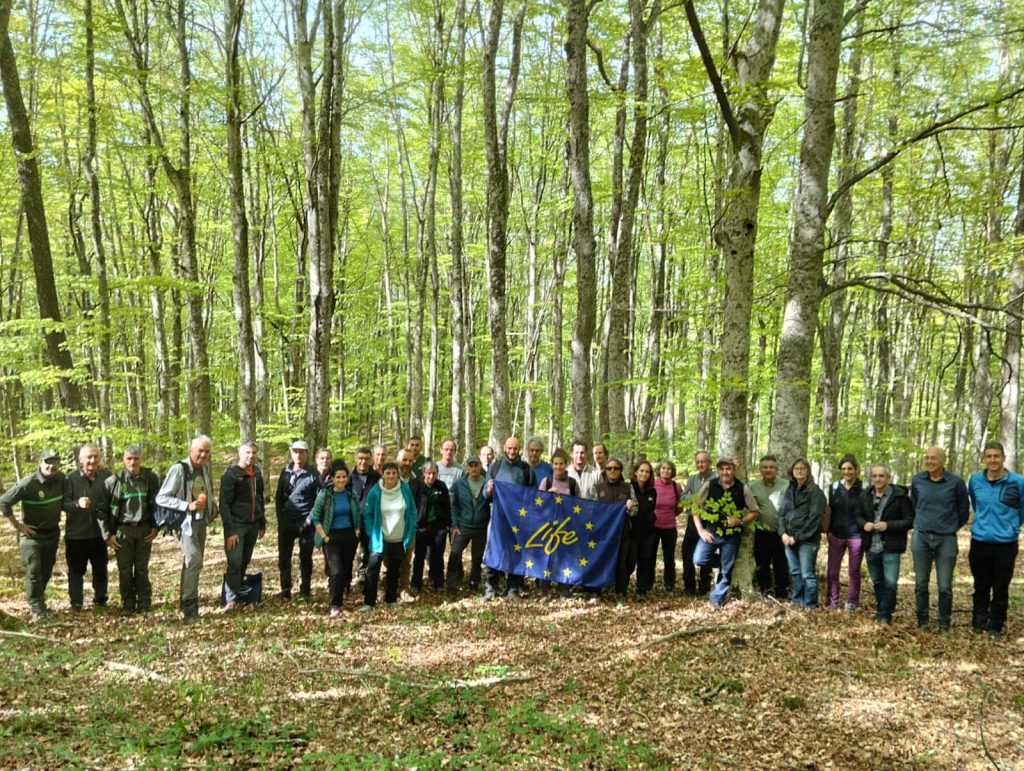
(86, 505)
(188, 487)
(41, 495)
(724, 507)
(297, 489)
(471, 513)
(129, 529)
(245, 521)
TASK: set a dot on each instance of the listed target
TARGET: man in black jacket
(85, 503)
(297, 489)
(245, 521)
(885, 538)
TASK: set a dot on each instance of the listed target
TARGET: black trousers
(430, 543)
(646, 560)
(80, 554)
(772, 567)
(992, 568)
(339, 554)
(690, 584)
(394, 555)
(287, 533)
(667, 536)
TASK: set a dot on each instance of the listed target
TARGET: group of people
(403, 515)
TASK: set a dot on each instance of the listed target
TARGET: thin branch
(712, 70)
(600, 63)
(924, 133)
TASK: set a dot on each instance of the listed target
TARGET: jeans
(430, 543)
(940, 550)
(81, 553)
(884, 568)
(803, 558)
(667, 536)
(37, 557)
(133, 567)
(287, 533)
(238, 560)
(836, 548)
(727, 547)
(992, 568)
(340, 554)
(690, 584)
(393, 554)
(476, 539)
(772, 573)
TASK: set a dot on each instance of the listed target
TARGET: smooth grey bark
(234, 13)
(30, 180)
(747, 116)
(793, 380)
(584, 246)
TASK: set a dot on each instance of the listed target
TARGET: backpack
(170, 520)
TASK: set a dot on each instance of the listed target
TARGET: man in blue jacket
(997, 496)
(942, 508)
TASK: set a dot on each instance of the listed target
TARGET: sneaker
(850, 607)
(40, 616)
(922, 623)
(230, 606)
(335, 612)
(366, 609)
(489, 594)
(284, 594)
(995, 635)
(512, 594)
(405, 596)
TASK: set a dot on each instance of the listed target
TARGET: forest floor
(541, 683)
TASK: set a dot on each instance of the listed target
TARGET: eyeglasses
(613, 468)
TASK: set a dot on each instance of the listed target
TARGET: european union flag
(554, 537)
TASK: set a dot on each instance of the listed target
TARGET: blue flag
(553, 536)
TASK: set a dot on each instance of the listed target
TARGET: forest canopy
(740, 226)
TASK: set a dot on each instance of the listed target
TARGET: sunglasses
(613, 468)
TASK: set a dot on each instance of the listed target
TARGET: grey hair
(888, 471)
(201, 439)
(535, 440)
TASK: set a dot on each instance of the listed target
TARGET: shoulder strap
(573, 487)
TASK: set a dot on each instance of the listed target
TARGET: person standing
(848, 505)
(692, 488)
(339, 522)
(188, 488)
(433, 516)
(666, 509)
(322, 462)
(471, 513)
(242, 509)
(586, 476)
(85, 503)
(941, 507)
(725, 506)
(800, 515)
(772, 569)
(447, 469)
(389, 517)
(513, 469)
(380, 455)
(130, 528)
(41, 495)
(415, 448)
(997, 496)
(643, 537)
(613, 487)
(297, 489)
(535, 457)
(885, 538)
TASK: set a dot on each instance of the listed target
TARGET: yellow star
(529, 563)
(558, 499)
(539, 501)
(515, 530)
(567, 572)
(547, 574)
(583, 561)
(522, 512)
(592, 544)
(576, 509)
(518, 547)
(590, 526)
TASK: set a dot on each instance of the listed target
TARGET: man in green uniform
(41, 495)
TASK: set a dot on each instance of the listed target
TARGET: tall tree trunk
(793, 379)
(736, 234)
(234, 12)
(96, 228)
(584, 246)
(1009, 399)
(35, 215)
(495, 146)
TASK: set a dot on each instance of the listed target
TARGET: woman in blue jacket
(338, 523)
(389, 516)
